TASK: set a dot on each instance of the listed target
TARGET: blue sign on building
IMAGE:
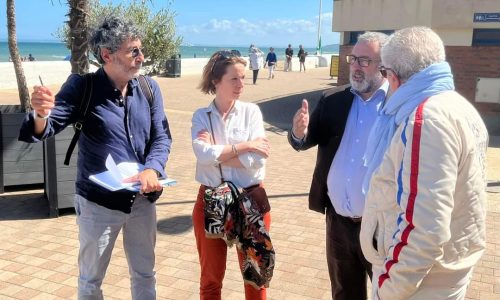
(487, 17)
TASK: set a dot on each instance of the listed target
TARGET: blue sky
(202, 22)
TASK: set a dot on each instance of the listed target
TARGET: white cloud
(265, 32)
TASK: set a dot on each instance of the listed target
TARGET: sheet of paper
(112, 179)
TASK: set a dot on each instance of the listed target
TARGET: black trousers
(255, 73)
(347, 266)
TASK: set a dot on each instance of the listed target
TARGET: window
(486, 37)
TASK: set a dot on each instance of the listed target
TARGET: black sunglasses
(223, 55)
(383, 70)
(136, 52)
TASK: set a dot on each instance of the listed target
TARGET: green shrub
(159, 42)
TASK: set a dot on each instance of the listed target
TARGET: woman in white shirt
(240, 148)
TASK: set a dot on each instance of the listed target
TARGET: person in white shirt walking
(256, 58)
(238, 145)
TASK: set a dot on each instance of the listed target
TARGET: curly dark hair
(111, 33)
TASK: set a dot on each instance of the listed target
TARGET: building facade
(470, 30)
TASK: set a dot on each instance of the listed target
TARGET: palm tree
(78, 31)
(22, 87)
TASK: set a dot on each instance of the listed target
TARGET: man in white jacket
(425, 184)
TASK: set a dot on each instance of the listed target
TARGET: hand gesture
(301, 120)
(42, 100)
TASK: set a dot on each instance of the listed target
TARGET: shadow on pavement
(29, 206)
(175, 225)
(279, 112)
(494, 141)
(493, 186)
(288, 195)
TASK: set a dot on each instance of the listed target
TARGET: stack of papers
(112, 179)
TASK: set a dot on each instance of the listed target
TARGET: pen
(40, 77)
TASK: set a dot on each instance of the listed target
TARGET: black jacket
(326, 128)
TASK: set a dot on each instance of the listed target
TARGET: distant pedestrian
(30, 57)
(256, 61)
(271, 62)
(302, 58)
(288, 60)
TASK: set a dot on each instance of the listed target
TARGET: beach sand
(56, 72)
(182, 89)
(52, 72)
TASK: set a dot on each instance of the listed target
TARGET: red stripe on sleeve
(415, 159)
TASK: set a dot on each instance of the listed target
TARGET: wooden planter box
(21, 163)
(60, 179)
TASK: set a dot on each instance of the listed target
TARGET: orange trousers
(213, 256)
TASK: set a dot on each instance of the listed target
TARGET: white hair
(373, 36)
(412, 49)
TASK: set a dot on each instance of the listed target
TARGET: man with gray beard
(339, 126)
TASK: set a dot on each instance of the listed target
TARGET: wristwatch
(37, 116)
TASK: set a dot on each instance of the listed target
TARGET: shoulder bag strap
(146, 89)
(82, 112)
(213, 137)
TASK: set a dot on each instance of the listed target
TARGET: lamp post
(318, 48)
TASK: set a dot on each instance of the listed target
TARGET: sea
(53, 51)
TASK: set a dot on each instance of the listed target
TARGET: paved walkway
(38, 255)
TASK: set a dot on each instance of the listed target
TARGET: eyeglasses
(223, 55)
(383, 70)
(363, 61)
(136, 51)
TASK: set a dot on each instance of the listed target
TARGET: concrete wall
(453, 18)
(191, 66)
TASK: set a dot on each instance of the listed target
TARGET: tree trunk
(22, 87)
(78, 26)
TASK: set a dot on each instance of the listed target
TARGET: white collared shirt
(243, 123)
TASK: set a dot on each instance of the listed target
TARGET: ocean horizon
(56, 51)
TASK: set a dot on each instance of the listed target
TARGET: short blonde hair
(216, 68)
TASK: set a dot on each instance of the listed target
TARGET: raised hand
(42, 100)
(301, 120)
